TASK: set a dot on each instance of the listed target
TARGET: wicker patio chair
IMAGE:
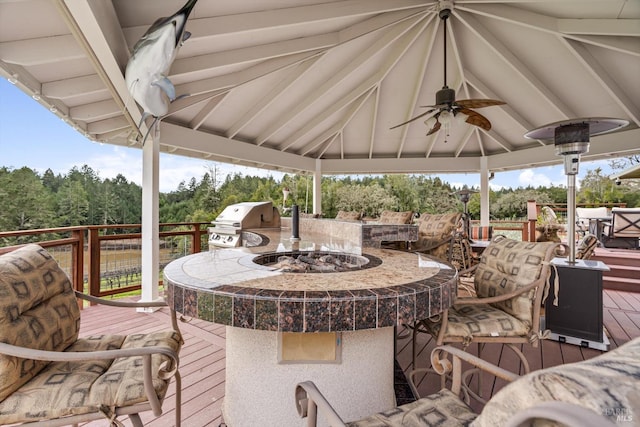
(51, 377)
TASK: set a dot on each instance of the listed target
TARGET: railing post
(77, 262)
(532, 216)
(197, 238)
(94, 261)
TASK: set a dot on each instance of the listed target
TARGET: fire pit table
(283, 327)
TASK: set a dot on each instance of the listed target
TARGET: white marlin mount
(147, 69)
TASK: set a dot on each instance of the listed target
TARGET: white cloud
(529, 177)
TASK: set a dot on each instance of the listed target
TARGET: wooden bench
(50, 376)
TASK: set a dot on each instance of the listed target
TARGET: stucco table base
(262, 390)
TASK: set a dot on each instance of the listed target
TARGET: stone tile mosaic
(205, 306)
(399, 286)
(190, 303)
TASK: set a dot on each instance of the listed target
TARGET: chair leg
(135, 420)
(521, 356)
(480, 347)
(178, 380)
(413, 345)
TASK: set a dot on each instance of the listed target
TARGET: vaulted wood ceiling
(304, 85)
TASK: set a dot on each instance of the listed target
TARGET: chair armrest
(309, 399)
(434, 244)
(116, 303)
(77, 356)
(498, 298)
(567, 414)
(133, 304)
(443, 366)
(468, 271)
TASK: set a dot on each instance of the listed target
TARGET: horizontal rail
(99, 270)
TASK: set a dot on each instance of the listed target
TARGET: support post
(484, 191)
(150, 217)
(317, 188)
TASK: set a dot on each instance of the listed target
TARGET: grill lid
(246, 215)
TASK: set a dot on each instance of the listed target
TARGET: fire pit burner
(316, 261)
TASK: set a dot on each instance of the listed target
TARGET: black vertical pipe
(295, 222)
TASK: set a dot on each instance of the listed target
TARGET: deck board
(202, 359)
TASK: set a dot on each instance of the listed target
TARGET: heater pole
(571, 217)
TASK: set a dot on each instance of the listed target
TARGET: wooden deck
(202, 359)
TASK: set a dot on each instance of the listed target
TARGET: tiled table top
(225, 286)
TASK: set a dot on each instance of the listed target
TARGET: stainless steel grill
(234, 219)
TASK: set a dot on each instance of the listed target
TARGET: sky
(32, 136)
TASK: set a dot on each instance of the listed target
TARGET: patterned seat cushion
(83, 387)
(390, 217)
(481, 320)
(435, 232)
(481, 232)
(349, 215)
(608, 385)
(38, 309)
(439, 409)
(507, 265)
(586, 246)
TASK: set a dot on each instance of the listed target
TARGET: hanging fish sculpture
(147, 69)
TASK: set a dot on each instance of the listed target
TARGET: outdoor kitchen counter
(225, 286)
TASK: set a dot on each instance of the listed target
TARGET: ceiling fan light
(430, 122)
(445, 117)
(461, 118)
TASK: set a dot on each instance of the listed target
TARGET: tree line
(80, 197)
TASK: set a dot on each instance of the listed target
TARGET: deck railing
(105, 260)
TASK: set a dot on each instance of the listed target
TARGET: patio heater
(464, 195)
(575, 316)
(571, 140)
(295, 215)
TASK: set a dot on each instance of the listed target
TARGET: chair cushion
(349, 216)
(608, 385)
(83, 387)
(38, 309)
(440, 409)
(482, 232)
(390, 217)
(626, 222)
(507, 265)
(467, 321)
(435, 232)
(586, 246)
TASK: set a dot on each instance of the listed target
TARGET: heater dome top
(597, 126)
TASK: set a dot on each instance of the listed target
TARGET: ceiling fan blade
(479, 103)
(413, 119)
(434, 129)
(476, 119)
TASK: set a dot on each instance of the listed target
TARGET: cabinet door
(579, 310)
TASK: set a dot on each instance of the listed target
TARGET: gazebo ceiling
(301, 85)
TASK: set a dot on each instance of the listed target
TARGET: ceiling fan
(446, 107)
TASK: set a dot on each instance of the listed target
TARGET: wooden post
(94, 262)
(532, 216)
(77, 263)
(197, 238)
